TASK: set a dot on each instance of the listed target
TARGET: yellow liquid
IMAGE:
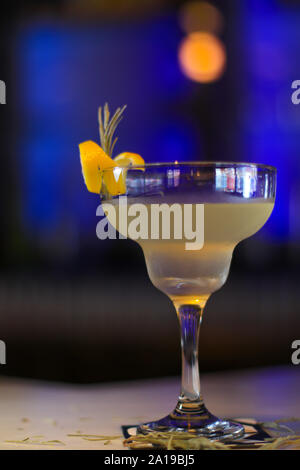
(190, 276)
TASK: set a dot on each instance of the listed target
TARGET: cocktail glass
(238, 199)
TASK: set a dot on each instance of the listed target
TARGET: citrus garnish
(114, 181)
(93, 161)
(96, 159)
(129, 158)
(126, 160)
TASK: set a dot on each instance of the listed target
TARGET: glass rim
(214, 164)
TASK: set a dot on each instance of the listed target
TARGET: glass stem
(190, 399)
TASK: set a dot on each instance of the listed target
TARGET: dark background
(75, 309)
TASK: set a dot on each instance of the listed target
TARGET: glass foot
(207, 425)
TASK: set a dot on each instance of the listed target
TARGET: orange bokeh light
(202, 57)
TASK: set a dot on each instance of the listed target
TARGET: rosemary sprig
(108, 126)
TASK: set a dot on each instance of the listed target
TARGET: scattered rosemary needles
(35, 441)
(96, 437)
(188, 441)
(173, 441)
(182, 441)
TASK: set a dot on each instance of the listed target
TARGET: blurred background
(203, 80)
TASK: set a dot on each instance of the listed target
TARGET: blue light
(176, 142)
(65, 72)
(271, 34)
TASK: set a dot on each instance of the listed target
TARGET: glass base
(205, 425)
